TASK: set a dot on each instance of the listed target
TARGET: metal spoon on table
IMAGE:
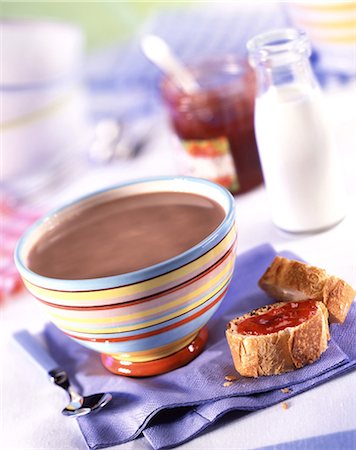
(158, 52)
(79, 405)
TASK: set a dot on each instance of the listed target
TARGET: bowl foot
(157, 366)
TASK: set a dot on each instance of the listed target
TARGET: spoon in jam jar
(158, 52)
(79, 405)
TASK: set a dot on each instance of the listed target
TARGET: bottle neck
(298, 72)
(281, 57)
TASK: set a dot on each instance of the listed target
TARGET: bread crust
(282, 351)
(289, 280)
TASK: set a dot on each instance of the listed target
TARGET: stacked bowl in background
(331, 28)
(44, 111)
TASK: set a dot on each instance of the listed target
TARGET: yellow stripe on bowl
(157, 309)
(329, 24)
(323, 7)
(39, 114)
(64, 323)
(333, 23)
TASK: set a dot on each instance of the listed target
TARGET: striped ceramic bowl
(152, 320)
(331, 27)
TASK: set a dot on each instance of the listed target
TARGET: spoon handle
(158, 51)
(34, 349)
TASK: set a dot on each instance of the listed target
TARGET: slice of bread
(281, 351)
(288, 280)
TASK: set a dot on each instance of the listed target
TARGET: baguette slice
(282, 351)
(288, 280)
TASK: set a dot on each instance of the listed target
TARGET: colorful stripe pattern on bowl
(332, 22)
(153, 341)
(331, 27)
(152, 311)
(151, 324)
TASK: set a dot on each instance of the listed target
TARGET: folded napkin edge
(206, 422)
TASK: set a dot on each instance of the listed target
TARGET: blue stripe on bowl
(146, 318)
(157, 326)
(152, 342)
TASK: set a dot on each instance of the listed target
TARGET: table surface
(30, 405)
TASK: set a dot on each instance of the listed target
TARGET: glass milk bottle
(299, 162)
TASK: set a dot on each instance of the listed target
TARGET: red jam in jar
(277, 319)
(215, 124)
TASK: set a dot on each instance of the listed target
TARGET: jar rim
(205, 71)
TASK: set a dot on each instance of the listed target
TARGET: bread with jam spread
(278, 338)
(288, 280)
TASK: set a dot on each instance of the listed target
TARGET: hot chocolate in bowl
(136, 271)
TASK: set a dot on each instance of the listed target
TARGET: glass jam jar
(215, 124)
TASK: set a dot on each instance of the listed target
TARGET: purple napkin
(161, 407)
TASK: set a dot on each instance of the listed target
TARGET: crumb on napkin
(230, 377)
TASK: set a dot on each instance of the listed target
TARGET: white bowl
(39, 51)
